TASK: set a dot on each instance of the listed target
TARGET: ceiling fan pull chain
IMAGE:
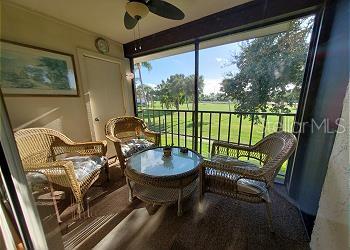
(138, 27)
(135, 39)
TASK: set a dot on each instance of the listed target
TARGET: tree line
(269, 77)
(176, 90)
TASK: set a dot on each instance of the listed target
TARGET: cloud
(223, 62)
(212, 86)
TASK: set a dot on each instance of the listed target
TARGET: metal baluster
(201, 134)
(209, 133)
(159, 127)
(264, 130)
(154, 121)
(193, 130)
(178, 128)
(165, 128)
(149, 119)
(219, 127)
(143, 115)
(229, 131)
(240, 129)
(229, 128)
(185, 129)
(251, 133)
(280, 123)
(172, 128)
(263, 135)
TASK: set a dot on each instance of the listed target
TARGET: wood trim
(243, 17)
(51, 51)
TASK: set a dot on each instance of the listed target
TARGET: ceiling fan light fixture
(137, 10)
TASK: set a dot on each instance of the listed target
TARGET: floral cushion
(243, 185)
(83, 167)
(227, 160)
(135, 145)
(86, 165)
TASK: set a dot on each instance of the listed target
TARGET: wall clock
(102, 45)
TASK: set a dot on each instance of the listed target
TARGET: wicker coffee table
(160, 180)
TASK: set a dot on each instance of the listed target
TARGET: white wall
(66, 114)
(332, 228)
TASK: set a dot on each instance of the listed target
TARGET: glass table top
(152, 162)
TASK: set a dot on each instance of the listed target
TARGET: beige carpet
(217, 223)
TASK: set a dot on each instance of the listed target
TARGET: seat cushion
(227, 160)
(244, 185)
(135, 145)
(86, 165)
(36, 180)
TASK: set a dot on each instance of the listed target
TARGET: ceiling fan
(138, 9)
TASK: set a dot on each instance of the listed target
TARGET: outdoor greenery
(269, 79)
(270, 70)
(173, 92)
(175, 122)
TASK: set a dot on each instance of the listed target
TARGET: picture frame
(27, 70)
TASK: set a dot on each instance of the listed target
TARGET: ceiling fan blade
(129, 21)
(165, 9)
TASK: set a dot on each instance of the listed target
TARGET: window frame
(318, 13)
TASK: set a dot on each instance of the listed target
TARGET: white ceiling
(106, 17)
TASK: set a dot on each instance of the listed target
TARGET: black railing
(244, 128)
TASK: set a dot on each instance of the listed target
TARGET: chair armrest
(113, 139)
(240, 171)
(48, 166)
(58, 172)
(230, 149)
(154, 136)
(89, 148)
(232, 145)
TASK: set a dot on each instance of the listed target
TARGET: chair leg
(55, 203)
(107, 172)
(122, 167)
(269, 215)
(87, 204)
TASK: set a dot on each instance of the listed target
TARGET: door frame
(19, 193)
(85, 85)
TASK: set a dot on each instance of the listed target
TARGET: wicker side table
(160, 180)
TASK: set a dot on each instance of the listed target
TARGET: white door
(105, 94)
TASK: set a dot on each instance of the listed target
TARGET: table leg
(179, 205)
(131, 195)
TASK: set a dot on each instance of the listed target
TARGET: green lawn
(168, 123)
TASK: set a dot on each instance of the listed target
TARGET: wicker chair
(124, 130)
(225, 174)
(41, 149)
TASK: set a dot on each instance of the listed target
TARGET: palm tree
(148, 66)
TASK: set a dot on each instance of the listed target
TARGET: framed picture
(28, 70)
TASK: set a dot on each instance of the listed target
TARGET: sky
(212, 65)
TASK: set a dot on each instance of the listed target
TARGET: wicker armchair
(124, 130)
(225, 174)
(40, 150)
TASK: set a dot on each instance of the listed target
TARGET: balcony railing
(244, 128)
